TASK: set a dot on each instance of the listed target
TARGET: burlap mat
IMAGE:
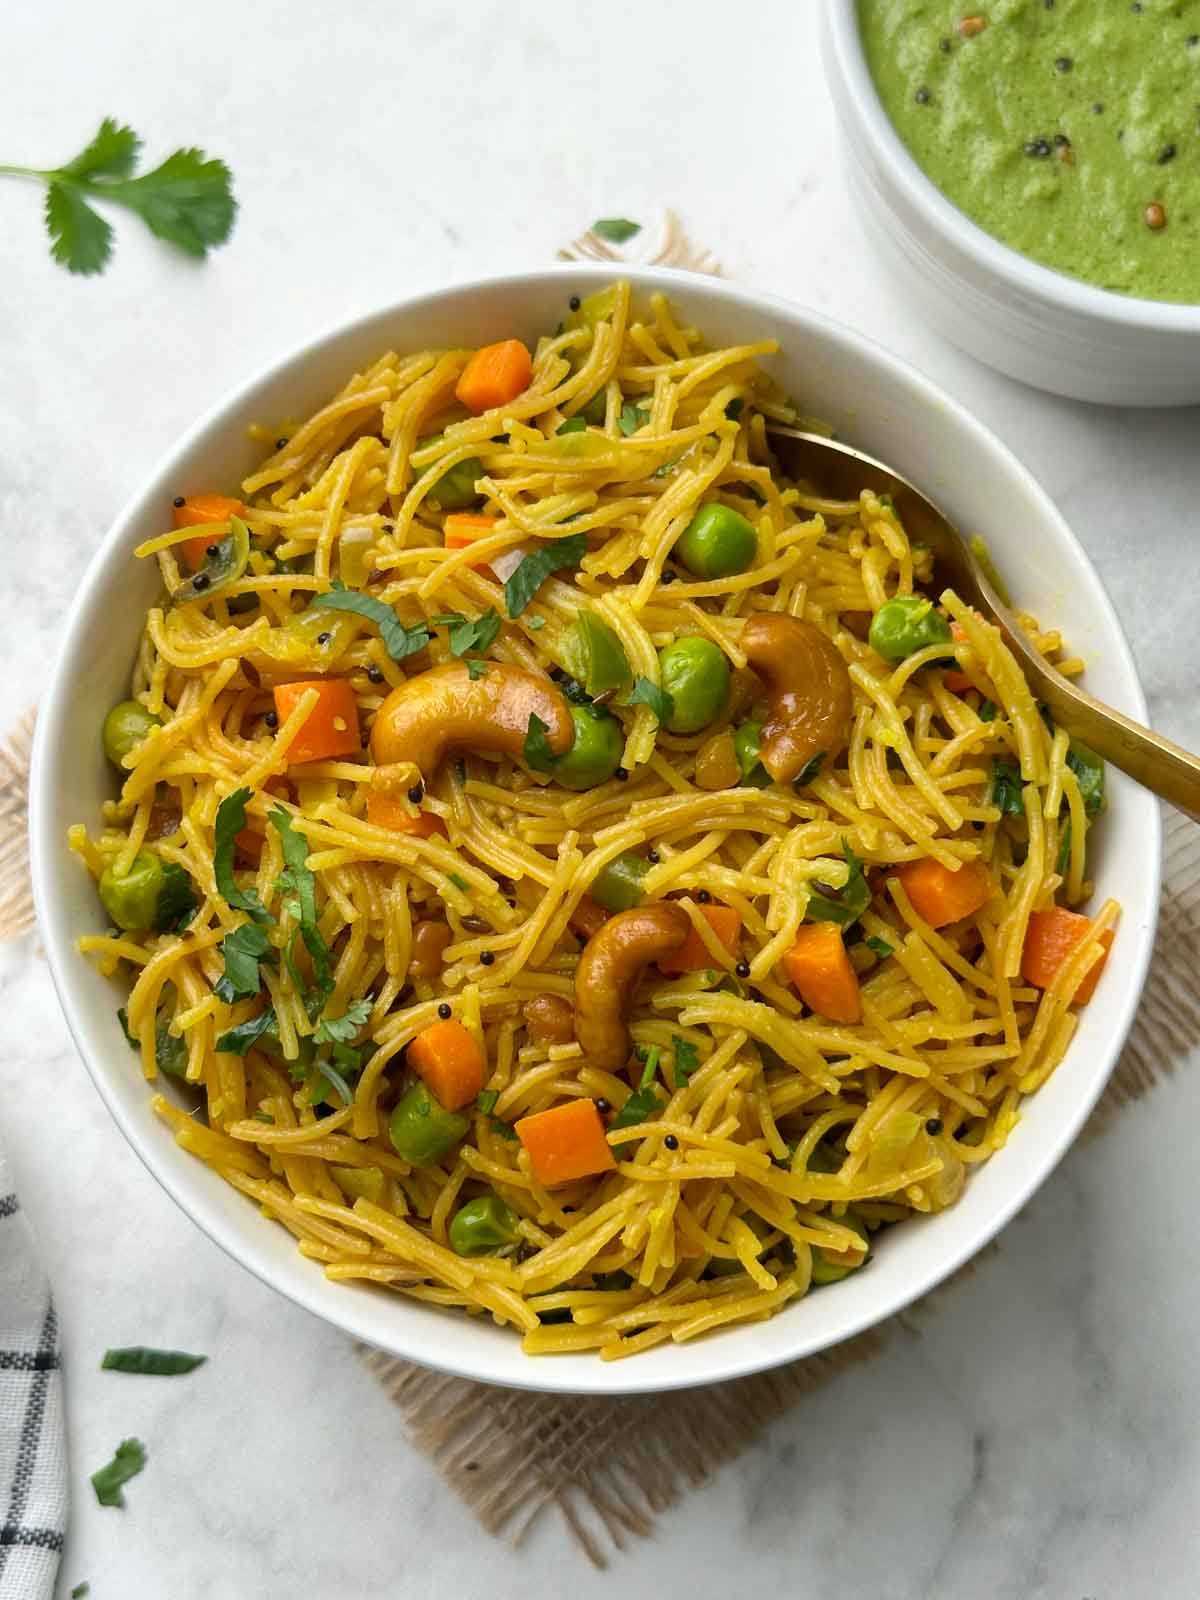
(611, 1466)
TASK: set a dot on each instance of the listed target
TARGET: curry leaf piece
(616, 230)
(236, 1041)
(231, 819)
(645, 693)
(399, 641)
(244, 950)
(151, 1363)
(128, 1461)
(537, 566)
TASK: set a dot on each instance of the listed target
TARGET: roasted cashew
(808, 690)
(609, 968)
(446, 709)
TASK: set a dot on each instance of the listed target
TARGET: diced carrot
(196, 511)
(941, 896)
(463, 528)
(693, 955)
(494, 375)
(331, 728)
(1050, 939)
(566, 1142)
(385, 811)
(450, 1061)
(588, 917)
(820, 971)
(957, 682)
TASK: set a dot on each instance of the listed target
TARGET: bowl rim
(48, 857)
(1066, 293)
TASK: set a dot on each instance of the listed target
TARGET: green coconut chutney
(1070, 129)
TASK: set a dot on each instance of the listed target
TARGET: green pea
(595, 656)
(125, 726)
(830, 1267)
(422, 1130)
(695, 674)
(618, 885)
(717, 542)
(746, 742)
(905, 624)
(454, 490)
(596, 753)
(131, 899)
(483, 1226)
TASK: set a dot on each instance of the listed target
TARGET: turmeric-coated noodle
(576, 874)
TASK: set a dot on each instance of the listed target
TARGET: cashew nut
(608, 970)
(808, 688)
(446, 709)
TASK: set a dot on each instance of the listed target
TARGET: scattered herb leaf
(297, 880)
(334, 1078)
(341, 1030)
(880, 946)
(571, 425)
(476, 668)
(667, 468)
(645, 693)
(186, 200)
(616, 230)
(632, 418)
(687, 1059)
(485, 1101)
(851, 900)
(244, 950)
(642, 1103)
(459, 883)
(1006, 789)
(504, 1129)
(987, 711)
(128, 1461)
(399, 641)
(470, 633)
(123, 1019)
(177, 902)
(80, 1591)
(810, 770)
(1089, 771)
(536, 749)
(537, 566)
(735, 408)
(231, 819)
(152, 1363)
(236, 1041)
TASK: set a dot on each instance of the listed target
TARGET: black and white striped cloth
(33, 1455)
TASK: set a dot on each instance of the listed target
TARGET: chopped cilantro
(537, 566)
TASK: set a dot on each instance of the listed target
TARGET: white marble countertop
(1040, 1438)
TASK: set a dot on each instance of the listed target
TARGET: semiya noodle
(370, 990)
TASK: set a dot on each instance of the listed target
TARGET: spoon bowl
(842, 472)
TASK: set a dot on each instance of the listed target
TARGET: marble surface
(1039, 1438)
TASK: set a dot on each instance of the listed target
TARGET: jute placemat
(611, 1466)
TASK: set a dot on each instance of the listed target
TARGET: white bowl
(1027, 320)
(874, 400)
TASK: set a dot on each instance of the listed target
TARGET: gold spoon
(841, 472)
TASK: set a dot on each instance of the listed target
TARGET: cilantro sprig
(401, 642)
(186, 200)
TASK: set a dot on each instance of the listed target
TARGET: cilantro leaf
(80, 238)
(571, 425)
(537, 566)
(476, 668)
(342, 1029)
(536, 749)
(400, 642)
(128, 1461)
(236, 1041)
(111, 154)
(987, 711)
(485, 1101)
(151, 1363)
(641, 1104)
(616, 230)
(645, 693)
(1006, 789)
(296, 879)
(177, 903)
(80, 1591)
(1063, 859)
(231, 819)
(186, 200)
(470, 633)
(880, 946)
(844, 905)
(244, 950)
(687, 1059)
(632, 418)
(1089, 771)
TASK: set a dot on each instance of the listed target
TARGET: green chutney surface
(1070, 129)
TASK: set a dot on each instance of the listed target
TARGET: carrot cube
(450, 1061)
(693, 955)
(196, 512)
(1050, 939)
(820, 971)
(385, 811)
(331, 727)
(495, 375)
(566, 1142)
(940, 896)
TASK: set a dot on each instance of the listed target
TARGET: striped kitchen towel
(33, 1455)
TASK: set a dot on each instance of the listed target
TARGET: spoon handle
(1156, 763)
